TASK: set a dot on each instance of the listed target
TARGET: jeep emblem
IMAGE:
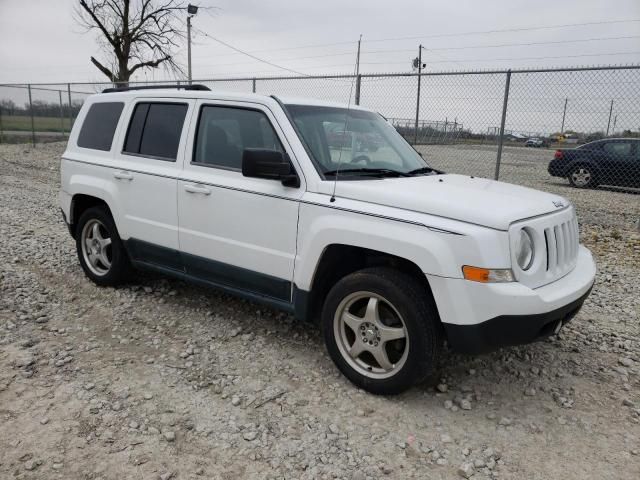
(558, 203)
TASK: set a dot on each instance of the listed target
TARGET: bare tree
(136, 33)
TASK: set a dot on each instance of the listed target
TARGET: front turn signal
(487, 275)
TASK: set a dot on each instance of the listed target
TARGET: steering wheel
(362, 158)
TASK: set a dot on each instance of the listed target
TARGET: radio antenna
(356, 74)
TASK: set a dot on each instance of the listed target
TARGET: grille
(555, 238)
(561, 243)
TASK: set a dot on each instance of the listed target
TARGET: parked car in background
(612, 161)
(535, 142)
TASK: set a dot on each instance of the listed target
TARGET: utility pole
(191, 11)
(564, 113)
(358, 56)
(189, 49)
(358, 79)
(415, 138)
(615, 120)
(610, 112)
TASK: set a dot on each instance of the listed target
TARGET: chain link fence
(562, 130)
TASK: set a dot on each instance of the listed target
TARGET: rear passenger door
(236, 231)
(148, 164)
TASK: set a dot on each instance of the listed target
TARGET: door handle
(122, 175)
(196, 189)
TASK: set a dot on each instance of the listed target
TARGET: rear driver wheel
(100, 249)
(581, 176)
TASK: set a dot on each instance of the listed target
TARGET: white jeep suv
(324, 211)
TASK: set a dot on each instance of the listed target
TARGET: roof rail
(185, 86)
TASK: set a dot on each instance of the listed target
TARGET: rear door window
(155, 130)
(99, 125)
(619, 149)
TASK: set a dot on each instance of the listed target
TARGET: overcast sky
(39, 41)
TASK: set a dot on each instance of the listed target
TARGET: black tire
(417, 311)
(582, 176)
(119, 269)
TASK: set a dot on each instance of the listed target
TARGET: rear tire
(382, 330)
(582, 176)
(100, 250)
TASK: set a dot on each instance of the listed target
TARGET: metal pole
(253, 85)
(415, 139)
(358, 56)
(33, 127)
(615, 120)
(609, 121)
(564, 113)
(70, 110)
(189, 48)
(502, 122)
(61, 113)
(358, 84)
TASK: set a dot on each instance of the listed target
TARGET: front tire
(382, 330)
(100, 250)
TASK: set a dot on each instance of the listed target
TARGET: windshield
(355, 142)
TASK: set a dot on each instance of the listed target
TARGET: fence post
(70, 110)
(253, 85)
(502, 121)
(33, 127)
(61, 113)
(358, 83)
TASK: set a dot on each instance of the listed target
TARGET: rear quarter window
(99, 125)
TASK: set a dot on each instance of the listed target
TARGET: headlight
(524, 250)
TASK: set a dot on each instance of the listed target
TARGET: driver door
(234, 231)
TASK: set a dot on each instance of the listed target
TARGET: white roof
(217, 95)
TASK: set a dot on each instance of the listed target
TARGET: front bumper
(483, 317)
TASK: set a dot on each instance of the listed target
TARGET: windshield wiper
(420, 170)
(387, 172)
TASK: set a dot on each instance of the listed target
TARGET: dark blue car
(613, 161)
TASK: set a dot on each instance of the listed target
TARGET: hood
(473, 200)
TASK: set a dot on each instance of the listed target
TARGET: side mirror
(269, 164)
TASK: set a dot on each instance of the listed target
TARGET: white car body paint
(439, 223)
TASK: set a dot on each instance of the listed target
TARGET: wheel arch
(80, 202)
(339, 260)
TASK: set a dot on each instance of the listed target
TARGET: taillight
(558, 155)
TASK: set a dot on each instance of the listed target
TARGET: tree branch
(99, 24)
(103, 69)
(150, 63)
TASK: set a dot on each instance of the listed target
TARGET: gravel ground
(161, 379)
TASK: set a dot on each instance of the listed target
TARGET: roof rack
(186, 86)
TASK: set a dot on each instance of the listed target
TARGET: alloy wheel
(96, 247)
(371, 335)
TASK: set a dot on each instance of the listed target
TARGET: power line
(249, 54)
(441, 35)
(505, 30)
(555, 42)
(509, 59)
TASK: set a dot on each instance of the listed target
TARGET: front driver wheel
(382, 330)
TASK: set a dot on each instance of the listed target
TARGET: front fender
(435, 252)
